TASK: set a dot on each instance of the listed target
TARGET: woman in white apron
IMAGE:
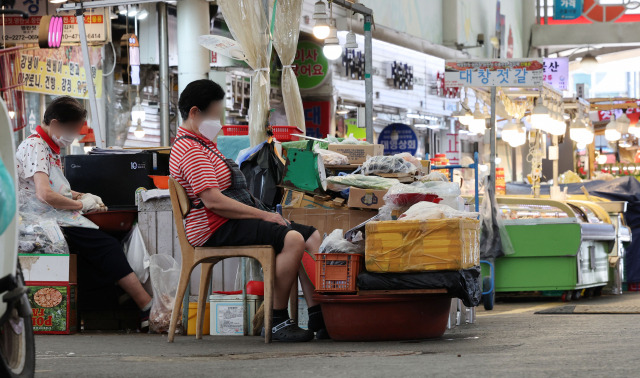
(42, 183)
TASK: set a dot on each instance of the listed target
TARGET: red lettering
(317, 70)
(49, 321)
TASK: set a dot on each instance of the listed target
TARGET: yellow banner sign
(60, 71)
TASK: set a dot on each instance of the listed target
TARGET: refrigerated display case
(560, 247)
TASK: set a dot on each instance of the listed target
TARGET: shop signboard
(351, 126)
(556, 72)
(317, 116)
(452, 148)
(310, 65)
(17, 30)
(494, 73)
(567, 9)
(60, 71)
(632, 113)
(397, 138)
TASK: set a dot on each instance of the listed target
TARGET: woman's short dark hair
(199, 93)
(65, 109)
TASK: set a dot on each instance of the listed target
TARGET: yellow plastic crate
(416, 246)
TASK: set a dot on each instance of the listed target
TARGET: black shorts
(239, 232)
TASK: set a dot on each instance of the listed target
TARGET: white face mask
(63, 141)
(210, 128)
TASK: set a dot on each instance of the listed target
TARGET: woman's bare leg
(287, 265)
(312, 246)
(132, 286)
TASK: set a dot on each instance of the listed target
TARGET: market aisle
(509, 343)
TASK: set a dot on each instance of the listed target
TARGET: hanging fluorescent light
(321, 27)
(612, 132)
(351, 41)
(332, 49)
(132, 11)
(143, 14)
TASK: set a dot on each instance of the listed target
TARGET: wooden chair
(208, 257)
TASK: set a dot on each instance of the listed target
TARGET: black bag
(264, 172)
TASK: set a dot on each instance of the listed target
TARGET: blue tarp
(620, 189)
(230, 146)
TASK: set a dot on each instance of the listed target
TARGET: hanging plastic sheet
(285, 41)
(494, 239)
(7, 198)
(248, 25)
(264, 171)
(463, 284)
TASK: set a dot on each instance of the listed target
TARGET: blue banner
(567, 9)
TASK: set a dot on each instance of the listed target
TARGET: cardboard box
(366, 198)
(325, 221)
(227, 314)
(54, 307)
(49, 268)
(300, 200)
(358, 154)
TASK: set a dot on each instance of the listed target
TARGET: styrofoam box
(49, 268)
(227, 313)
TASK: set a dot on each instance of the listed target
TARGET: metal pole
(163, 38)
(368, 77)
(492, 137)
(475, 173)
(546, 16)
(554, 142)
(93, 105)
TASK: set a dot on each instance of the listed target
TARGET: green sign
(351, 125)
(310, 65)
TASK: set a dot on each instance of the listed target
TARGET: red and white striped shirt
(198, 169)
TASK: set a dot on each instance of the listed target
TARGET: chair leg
(293, 301)
(268, 261)
(205, 278)
(185, 275)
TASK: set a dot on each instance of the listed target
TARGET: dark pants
(238, 232)
(100, 256)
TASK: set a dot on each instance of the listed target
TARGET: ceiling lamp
(143, 14)
(588, 62)
(612, 132)
(342, 110)
(57, 1)
(623, 124)
(321, 28)
(557, 126)
(520, 137)
(466, 116)
(332, 49)
(351, 41)
(477, 113)
(540, 115)
(580, 132)
(138, 116)
(509, 131)
(634, 130)
(113, 14)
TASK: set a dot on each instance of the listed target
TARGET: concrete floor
(509, 341)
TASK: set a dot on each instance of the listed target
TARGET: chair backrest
(180, 205)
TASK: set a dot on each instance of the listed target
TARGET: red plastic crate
(235, 130)
(283, 133)
(338, 272)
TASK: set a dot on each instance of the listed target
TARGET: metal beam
(599, 33)
(102, 4)
(163, 38)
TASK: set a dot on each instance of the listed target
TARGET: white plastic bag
(336, 243)
(137, 255)
(429, 210)
(387, 164)
(165, 275)
(331, 157)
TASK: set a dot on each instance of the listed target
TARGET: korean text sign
(494, 73)
(310, 65)
(397, 138)
(556, 72)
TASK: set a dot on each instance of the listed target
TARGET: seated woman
(41, 179)
(223, 212)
